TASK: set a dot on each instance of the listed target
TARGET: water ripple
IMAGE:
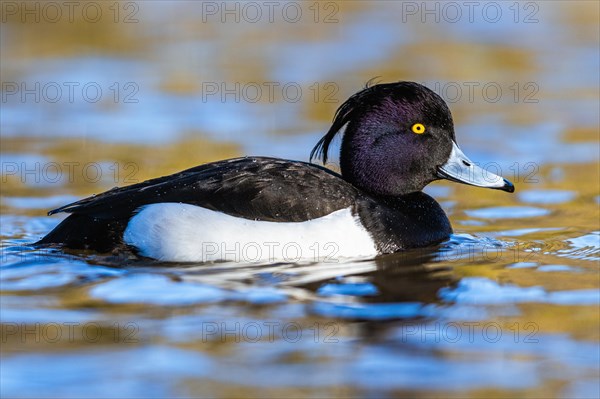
(507, 212)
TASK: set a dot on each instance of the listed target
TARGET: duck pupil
(466, 163)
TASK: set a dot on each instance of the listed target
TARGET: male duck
(399, 137)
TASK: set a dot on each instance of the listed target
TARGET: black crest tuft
(345, 113)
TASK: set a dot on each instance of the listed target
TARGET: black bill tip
(508, 187)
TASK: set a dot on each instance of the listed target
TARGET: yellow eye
(418, 128)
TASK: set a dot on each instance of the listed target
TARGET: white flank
(176, 232)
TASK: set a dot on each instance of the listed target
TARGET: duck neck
(409, 221)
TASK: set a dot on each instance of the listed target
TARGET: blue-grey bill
(461, 169)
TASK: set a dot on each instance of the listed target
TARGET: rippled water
(509, 306)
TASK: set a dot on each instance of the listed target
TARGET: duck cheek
(425, 160)
(440, 149)
(413, 176)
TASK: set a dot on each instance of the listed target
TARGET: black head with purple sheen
(399, 137)
(380, 152)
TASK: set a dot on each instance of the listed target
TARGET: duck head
(399, 137)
